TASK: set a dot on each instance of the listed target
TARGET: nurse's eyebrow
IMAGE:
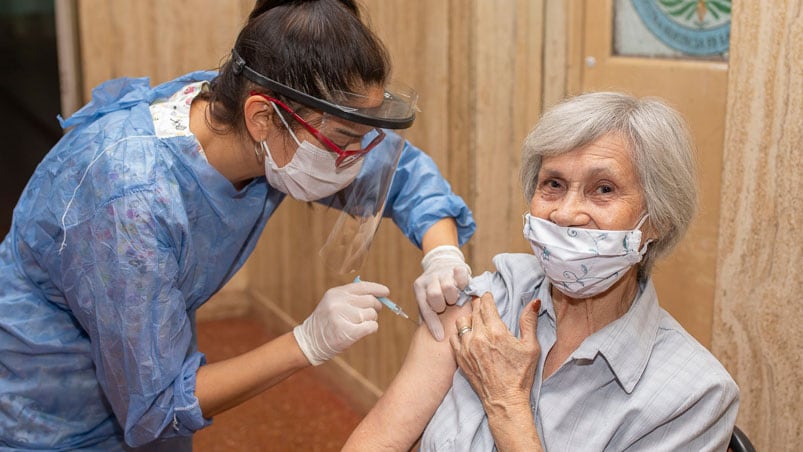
(349, 133)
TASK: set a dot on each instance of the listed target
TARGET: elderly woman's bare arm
(401, 414)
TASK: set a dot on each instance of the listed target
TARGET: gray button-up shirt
(640, 383)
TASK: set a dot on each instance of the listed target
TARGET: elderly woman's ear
(649, 232)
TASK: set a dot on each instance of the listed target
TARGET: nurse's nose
(570, 211)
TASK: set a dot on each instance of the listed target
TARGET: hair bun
(262, 6)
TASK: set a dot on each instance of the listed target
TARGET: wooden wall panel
(563, 49)
(506, 60)
(758, 313)
(68, 55)
(158, 39)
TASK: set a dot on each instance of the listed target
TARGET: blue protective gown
(117, 239)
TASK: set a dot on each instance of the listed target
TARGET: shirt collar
(543, 293)
(171, 116)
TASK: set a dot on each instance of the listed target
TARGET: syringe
(389, 304)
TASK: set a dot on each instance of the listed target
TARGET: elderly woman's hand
(499, 366)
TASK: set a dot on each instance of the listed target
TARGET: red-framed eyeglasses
(345, 157)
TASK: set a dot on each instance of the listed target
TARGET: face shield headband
(397, 110)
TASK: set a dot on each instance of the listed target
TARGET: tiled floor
(299, 414)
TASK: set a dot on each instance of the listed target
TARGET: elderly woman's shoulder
(522, 270)
(516, 274)
(675, 348)
(518, 263)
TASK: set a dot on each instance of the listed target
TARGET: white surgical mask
(311, 174)
(583, 262)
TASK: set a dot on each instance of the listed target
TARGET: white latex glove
(344, 315)
(445, 275)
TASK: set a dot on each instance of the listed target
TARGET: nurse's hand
(345, 315)
(445, 275)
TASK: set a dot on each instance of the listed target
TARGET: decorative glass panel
(672, 28)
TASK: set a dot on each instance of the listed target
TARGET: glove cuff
(442, 252)
(305, 346)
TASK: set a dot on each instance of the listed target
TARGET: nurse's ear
(258, 116)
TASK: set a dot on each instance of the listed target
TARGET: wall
(154, 38)
(758, 313)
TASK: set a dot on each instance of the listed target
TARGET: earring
(261, 149)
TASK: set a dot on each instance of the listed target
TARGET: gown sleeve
(419, 196)
(119, 276)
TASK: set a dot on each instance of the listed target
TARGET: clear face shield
(360, 206)
(352, 214)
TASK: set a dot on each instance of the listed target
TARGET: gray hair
(660, 146)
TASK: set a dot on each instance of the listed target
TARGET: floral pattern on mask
(583, 262)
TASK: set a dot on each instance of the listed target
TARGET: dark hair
(313, 46)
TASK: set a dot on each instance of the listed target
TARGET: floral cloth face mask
(311, 174)
(583, 262)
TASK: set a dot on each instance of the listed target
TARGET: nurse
(155, 197)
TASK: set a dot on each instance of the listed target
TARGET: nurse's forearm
(225, 384)
(443, 232)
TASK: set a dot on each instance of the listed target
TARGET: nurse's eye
(344, 141)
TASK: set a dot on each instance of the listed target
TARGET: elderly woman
(568, 349)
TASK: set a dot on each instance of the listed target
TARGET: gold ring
(463, 330)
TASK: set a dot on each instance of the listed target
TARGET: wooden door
(697, 87)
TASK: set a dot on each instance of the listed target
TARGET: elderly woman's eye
(551, 184)
(605, 189)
